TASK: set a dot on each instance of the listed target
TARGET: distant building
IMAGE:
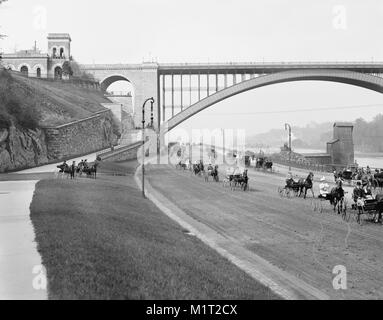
(341, 147)
(41, 65)
(340, 150)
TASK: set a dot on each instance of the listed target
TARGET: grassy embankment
(101, 240)
(33, 103)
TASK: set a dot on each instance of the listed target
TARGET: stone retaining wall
(80, 137)
(122, 154)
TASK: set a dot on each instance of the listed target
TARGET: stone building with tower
(34, 63)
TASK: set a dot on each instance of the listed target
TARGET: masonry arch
(54, 52)
(58, 72)
(62, 52)
(25, 68)
(363, 80)
(116, 86)
(38, 70)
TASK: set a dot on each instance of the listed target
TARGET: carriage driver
(324, 188)
(289, 179)
(65, 166)
(358, 192)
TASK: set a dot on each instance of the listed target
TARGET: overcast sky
(131, 31)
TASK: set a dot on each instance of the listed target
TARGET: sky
(132, 31)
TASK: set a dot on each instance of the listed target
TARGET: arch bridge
(182, 90)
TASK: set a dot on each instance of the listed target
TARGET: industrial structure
(340, 150)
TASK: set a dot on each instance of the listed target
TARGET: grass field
(100, 240)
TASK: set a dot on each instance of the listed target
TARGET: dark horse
(241, 180)
(306, 184)
(65, 169)
(213, 172)
(336, 197)
(198, 168)
(92, 170)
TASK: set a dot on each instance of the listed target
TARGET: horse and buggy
(264, 163)
(336, 197)
(212, 171)
(296, 188)
(82, 168)
(237, 181)
(365, 204)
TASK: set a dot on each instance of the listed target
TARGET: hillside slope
(59, 102)
(27, 105)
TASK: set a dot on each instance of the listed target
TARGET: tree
(78, 73)
(67, 69)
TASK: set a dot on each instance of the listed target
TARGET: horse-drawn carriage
(264, 163)
(83, 167)
(371, 207)
(346, 175)
(212, 172)
(237, 180)
(296, 188)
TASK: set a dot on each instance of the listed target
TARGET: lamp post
(143, 141)
(223, 146)
(288, 127)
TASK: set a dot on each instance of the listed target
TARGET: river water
(375, 161)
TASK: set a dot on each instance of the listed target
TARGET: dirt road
(288, 233)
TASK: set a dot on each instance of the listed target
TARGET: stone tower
(59, 45)
(342, 146)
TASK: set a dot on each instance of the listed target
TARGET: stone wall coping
(96, 115)
(109, 154)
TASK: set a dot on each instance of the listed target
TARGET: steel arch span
(341, 76)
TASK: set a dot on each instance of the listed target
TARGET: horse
(377, 180)
(241, 180)
(64, 169)
(91, 171)
(336, 197)
(212, 172)
(181, 165)
(198, 168)
(306, 184)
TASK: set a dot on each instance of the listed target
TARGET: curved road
(302, 242)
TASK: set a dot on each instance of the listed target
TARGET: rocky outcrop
(21, 148)
(24, 148)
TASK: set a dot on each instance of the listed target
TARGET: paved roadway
(20, 263)
(288, 233)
